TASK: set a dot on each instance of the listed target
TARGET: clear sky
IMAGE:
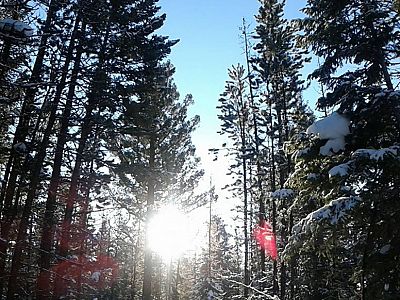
(209, 44)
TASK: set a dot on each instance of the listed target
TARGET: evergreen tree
(24, 139)
(96, 82)
(277, 67)
(156, 150)
(219, 276)
(347, 204)
(116, 73)
(235, 116)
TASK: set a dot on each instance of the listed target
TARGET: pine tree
(347, 204)
(156, 149)
(103, 57)
(277, 67)
(38, 165)
(235, 116)
(24, 139)
(49, 225)
(219, 276)
(114, 72)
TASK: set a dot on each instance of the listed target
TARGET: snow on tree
(340, 170)
(283, 114)
(333, 128)
(16, 28)
(352, 200)
(282, 194)
(332, 213)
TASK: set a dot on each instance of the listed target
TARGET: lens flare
(265, 238)
(170, 233)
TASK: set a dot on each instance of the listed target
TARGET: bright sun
(170, 233)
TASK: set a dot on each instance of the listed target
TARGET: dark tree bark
(35, 179)
(43, 286)
(11, 171)
(148, 254)
(261, 205)
(86, 129)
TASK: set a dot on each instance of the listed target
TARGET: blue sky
(209, 44)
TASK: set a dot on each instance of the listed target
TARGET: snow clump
(282, 194)
(312, 176)
(333, 212)
(16, 27)
(385, 249)
(340, 170)
(377, 154)
(332, 128)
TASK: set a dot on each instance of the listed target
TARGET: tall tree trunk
(283, 135)
(283, 280)
(275, 288)
(17, 255)
(261, 195)
(11, 172)
(83, 227)
(209, 235)
(245, 201)
(43, 286)
(86, 129)
(72, 198)
(177, 280)
(135, 263)
(292, 263)
(148, 254)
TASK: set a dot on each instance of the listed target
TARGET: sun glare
(170, 233)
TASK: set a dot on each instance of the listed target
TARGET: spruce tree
(277, 67)
(219, 276)
(235, 116)
(347, 203)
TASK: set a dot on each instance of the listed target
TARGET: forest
(95, 141)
